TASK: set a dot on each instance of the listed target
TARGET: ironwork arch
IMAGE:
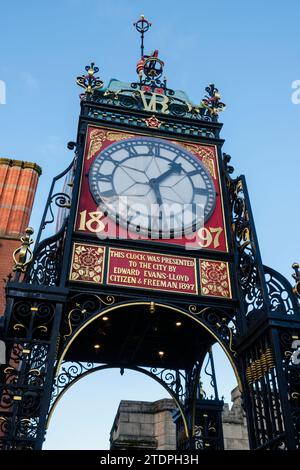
(108, 366)
(193, 314)
(174, 382)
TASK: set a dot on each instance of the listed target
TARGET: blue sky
(250, 50)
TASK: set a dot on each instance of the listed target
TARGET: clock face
(152, 187)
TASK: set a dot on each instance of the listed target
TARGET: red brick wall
(18, 183)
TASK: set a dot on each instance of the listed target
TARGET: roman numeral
(104, 178)
(132, 151)
(193, 173)
(109, 193)
(153, 150)
(202, 191)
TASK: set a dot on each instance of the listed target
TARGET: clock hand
(174, 168)
(160, 208)
(156, 190)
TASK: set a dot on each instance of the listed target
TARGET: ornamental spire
(149, 67)
(142, 26)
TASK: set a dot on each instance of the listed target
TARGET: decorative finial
(23, 255)
(211, 102)
(89, 82)
(228, 168)
(142, 26)
(296, 276)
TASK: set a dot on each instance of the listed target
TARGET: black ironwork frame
(256, 328)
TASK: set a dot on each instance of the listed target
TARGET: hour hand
(174, 168)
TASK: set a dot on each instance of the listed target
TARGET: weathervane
(142, 26)
(149, 67)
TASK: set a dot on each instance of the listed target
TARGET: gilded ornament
(23, 255)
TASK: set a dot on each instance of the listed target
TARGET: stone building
(149, 425)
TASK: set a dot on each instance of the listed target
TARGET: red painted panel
(91, 220)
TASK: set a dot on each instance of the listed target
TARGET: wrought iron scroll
(89, 82)
(209, 371)
(265, 291)
(45, 269)
(221, 323)
(290, 351)
(26, 375)
(208, 433)
(69, 373)
(79, 308)
(250, 270)
(60, 199)
(174, 381)
(282, 299)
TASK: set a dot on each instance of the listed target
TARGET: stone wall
(234, 424)
(149, 425)
(144, 425)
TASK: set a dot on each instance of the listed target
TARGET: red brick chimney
(18, 183)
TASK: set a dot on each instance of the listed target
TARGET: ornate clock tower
(154, 258)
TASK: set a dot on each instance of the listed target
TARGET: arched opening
(84, 417)
(143, 326)
(155, 339)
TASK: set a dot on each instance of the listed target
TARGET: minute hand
(174, 168)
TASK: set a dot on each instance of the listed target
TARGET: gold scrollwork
(19, 326)
(194, 309)
(23, 255)
(11, 375)
(205, 153)
(108, 300)
(42, 328)
(239, 187)
(117, 136)
(96, 141)
(9, 370)
(230, 331)
(35, 372)
(98, 136)
(76, 309)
